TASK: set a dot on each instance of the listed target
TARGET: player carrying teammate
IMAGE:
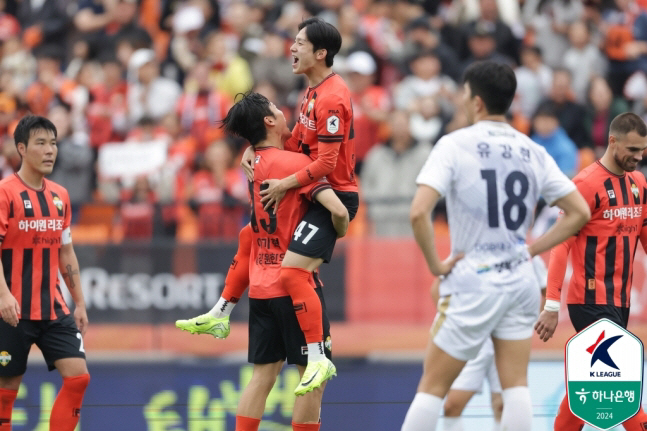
(602, 252)
(325, 133)
(35, 238)
(492, 177)
(274, 332)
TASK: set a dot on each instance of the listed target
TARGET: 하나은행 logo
(604, 374)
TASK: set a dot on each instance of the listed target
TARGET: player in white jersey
(470, 381)
(492, 177)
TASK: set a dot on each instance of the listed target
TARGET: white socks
(316, 352)
(423, 413)
(452, 424)
(517, 409)
(222, 308)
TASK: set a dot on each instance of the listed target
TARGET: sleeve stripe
(329, 139)
(645, 222)
(317, 189)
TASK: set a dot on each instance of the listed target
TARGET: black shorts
(274, 332)
(57, 339)
(315, 235)
(583, 315)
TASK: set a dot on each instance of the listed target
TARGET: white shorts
(465, 320)
(477, 370)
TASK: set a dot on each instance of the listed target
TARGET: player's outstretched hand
(546, 324)
(272, 195)
(247, 163)
(447, 265)
(81, 319)
(9, 309)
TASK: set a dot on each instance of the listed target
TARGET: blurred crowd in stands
(136, 89)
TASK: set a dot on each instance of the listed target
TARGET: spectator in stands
(45, 20)
(550, 135)
(186, 46)
(626, 42)
(427, 123)
(229, 72)
(419, 37)
(10, 160)
(583, 59)
(18, 61)
(426, 80)
(352, 38)
(219, 192)
(272, 66)
(202, 106)
(506, 42)
(482, 45)
(149, 94)
(371, 103)
(74, 163)
(548, 22)
(107, 112)
(50, 81)
(569, 112)
(602, 108)
(534, 79)
(389, 178)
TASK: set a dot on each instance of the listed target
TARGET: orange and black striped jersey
(602, 253)
(31, 227)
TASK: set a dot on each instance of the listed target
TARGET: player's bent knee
(10, 383)
(453, 407)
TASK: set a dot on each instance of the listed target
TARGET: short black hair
(28, 125)
(246, 117)
(322, 35)
(547, 108)
(627, 122)
(494, 83)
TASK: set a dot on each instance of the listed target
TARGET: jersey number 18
(514, 199)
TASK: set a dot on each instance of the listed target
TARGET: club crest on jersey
(332, 124)
(27, 204)
(311, 105)
(634, 190)
(58, 203)
(5, 358)
(257, 159)
(612, 194)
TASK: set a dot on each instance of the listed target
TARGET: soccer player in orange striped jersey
(602, 252)
(35, 238)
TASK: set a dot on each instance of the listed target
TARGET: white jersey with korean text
(491, 176)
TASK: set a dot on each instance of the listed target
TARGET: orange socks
(243, 423)
(238, 275)
(305, 427)
(307, 305)
(7, 397)
(565, 420)
(636, 423)
(66, 410)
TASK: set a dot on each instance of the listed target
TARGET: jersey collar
(324, 80)
(609, 172)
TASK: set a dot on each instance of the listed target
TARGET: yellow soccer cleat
(206, 324)
(315, 374)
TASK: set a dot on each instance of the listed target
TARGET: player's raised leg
(216, 321)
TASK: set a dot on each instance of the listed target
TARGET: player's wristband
(551, 305)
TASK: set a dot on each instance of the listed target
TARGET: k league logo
(604, 373)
